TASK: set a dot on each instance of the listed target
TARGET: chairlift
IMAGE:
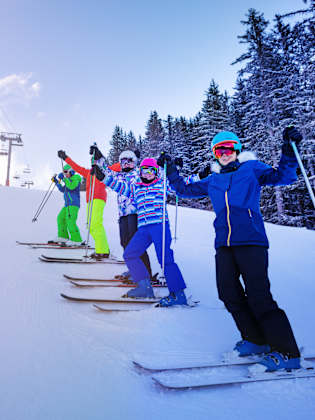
(27, 170)
(3, 150)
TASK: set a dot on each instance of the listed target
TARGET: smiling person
(242, 245)
(146, 193)
(68, 182)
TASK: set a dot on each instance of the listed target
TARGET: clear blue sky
(72, 70)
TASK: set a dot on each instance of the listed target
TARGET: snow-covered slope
(64, 361)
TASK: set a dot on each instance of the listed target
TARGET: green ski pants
(97, 228)
(67, 224)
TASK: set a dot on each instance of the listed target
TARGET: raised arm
(285, 174)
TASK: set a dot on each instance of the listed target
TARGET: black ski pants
(256, 314)
(128, 226)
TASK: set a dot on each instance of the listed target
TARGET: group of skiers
(241, 243)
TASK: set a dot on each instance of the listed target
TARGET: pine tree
(118, 144)
(154, 140)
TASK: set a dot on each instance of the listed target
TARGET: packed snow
(63, 360)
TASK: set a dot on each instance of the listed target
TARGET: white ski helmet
(128, 154)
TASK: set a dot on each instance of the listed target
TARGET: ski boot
(276, 361)
(143, 290)
(174, 298)
(123, 276)
(98, 257)
(58, 241)
(247, 348)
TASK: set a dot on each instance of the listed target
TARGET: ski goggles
(125, 161)
(223, 149)
(148, 170)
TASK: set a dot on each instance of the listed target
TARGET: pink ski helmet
(149, 163)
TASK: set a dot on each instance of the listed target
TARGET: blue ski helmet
(226, 137)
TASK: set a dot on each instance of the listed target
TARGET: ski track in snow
(66, 360)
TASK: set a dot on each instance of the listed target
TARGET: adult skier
(146, 193)
(97, 229)
(242, 245)
(68, 182)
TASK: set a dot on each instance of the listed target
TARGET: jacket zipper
(250, 213)
(228, 218)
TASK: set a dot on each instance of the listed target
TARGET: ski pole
(44, 201)
(90, 217)
(307, 182)
(176, 209)
(164, 220)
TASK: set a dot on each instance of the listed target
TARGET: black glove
(137, 153)
(97, 172)
(205, 172)
(62, 154)
(164, 157)
(179, 162)
(170, 165)
(97, 153)
(290, 134)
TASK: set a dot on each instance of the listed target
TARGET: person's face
(226, 159)
(148, 173)
(127, 163)
(67, 173)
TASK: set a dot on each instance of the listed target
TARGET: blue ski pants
(141, 240)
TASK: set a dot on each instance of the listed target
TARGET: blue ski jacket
(71, 190)
(235, 194)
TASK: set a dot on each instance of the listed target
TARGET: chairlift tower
(14, 140)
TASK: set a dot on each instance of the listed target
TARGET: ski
(90, 279)
(54, 245)
(46, 258)
(115, 284)
(119, 300)
(103, 309)
(212, 382)
(244, 361)
(113, 280)
(60, 247)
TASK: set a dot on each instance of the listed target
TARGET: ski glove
(179, 162)
(54, 179)
(97, 172)
(62, 154)
(170, 165)
(290, 134)
(97, 153)
(205, 172)
(61, 176)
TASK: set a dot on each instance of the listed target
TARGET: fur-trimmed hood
(242, 157)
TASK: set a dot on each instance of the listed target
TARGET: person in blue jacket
(242, 245)
(68, 182)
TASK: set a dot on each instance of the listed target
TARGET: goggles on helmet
(150, 170)
(226, 148)
(125, 161)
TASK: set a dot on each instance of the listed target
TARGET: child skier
(146, 192)
(67, 217)
(99, 200)
(125, 170)
(242, 245)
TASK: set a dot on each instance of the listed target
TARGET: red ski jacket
(99, 189)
